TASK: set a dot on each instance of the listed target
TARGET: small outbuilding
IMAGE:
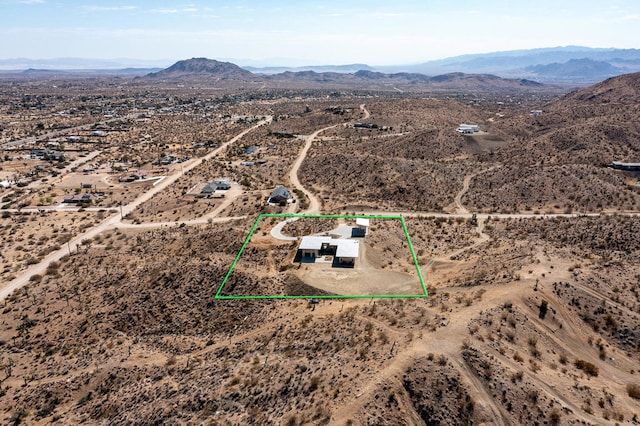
(361, 228)
(468, 128)
(631, 167)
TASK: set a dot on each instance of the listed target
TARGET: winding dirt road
(314, 202)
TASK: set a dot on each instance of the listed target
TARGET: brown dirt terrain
(530, 320)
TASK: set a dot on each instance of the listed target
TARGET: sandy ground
(363, 279)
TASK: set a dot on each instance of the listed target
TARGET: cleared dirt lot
(364, 279)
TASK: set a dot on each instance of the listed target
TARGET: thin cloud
(173, 11)
(109, 8)
(31, 1)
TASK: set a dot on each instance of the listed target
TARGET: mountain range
(203, 69)
(568, 64)
(571, 63)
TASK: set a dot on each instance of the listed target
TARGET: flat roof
(313, 242)
(621, 164)
(347, 248)
(362, 221)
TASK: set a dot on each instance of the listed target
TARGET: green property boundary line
(320, 216)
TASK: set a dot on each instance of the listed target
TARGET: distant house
(247, 163)
(46, 154)
(631, 167)
(252, 149)
(535, 112)
(77, 198)
(168, 160)
(365, 126)
(279, 195)
(132, 177)
(6, 184)
(216, 185)
(468, 128)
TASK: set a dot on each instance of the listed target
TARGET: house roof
(347, 248)
(214, 186)
(209, 188)
(281, 191)
(313, 242)
(362, 221)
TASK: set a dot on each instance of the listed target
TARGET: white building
(345, 251)
(362, 226)
(468, 128)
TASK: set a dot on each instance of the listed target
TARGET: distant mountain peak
(203, 67)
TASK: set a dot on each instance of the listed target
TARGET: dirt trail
(367, 114)
(459, 208)
(448, 256)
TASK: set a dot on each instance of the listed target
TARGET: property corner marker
(424, 293)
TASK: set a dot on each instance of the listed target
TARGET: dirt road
(314, 203)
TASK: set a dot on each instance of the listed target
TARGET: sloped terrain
(555, 161)
(530, 319)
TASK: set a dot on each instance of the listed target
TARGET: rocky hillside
(556, 159)
(203, 68)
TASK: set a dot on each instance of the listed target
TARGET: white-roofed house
(347, 251)
(311, 247)
(344, 251)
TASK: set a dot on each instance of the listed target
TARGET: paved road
(114, 220)
(276, 231)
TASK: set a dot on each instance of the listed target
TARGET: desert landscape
(129, 200)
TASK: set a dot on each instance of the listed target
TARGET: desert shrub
(544, 306)
(633, 390)
(587, 367)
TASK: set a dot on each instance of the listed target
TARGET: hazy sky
(375, 32)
